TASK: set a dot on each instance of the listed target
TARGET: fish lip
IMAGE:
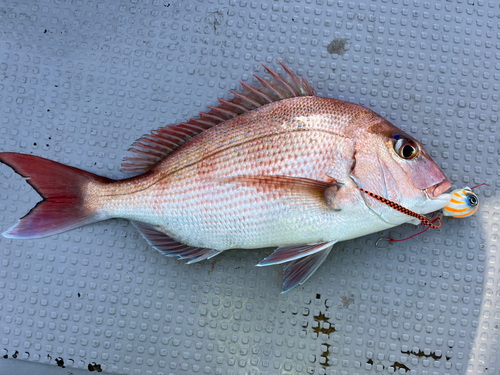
(436, 190)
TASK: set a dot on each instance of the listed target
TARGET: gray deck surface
(81, 80)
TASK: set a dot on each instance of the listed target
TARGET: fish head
(397, 166)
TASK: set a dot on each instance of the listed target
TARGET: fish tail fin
(63, 190)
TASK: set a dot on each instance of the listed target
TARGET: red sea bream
(275, 167)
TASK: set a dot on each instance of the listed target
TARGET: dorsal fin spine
(270, 87)
(281, 81)
(294, 79)
(222, 112)
(310, 89)
(246, 99)
(146, 155)
(212, 117)
(162, 142)
(179, 134)
(233, 106)
(266, 99)
(201, 122)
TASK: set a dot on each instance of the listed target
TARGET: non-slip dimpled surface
(81, 81)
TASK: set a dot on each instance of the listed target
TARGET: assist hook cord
(398, 207)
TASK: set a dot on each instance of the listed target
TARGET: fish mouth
(436, 190)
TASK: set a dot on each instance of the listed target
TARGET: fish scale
(274, 167)
(279, 148)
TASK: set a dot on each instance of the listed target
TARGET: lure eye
(472, 200)
(405, 148)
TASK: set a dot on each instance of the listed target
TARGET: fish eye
(405, 148)
(472, 200)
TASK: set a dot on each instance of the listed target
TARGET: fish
(275, 167)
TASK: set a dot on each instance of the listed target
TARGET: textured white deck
(80, 81)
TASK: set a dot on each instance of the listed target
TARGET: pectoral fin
(299, 271)
(303, 192)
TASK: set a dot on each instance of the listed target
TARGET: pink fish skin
(275, 167)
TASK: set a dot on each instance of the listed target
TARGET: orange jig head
(464, 202)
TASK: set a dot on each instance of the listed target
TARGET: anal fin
(300, 270)
(172, 248)
(285, 254)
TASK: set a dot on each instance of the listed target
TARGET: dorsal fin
(154, 147)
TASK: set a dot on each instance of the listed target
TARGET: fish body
(196, 197)
(284, 174)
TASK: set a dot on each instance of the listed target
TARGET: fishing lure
(463, 203)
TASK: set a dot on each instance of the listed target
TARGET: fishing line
(398, 207)
(392, 240)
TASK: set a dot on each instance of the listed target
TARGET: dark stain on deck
(396, 366)
(322, 321)
(420, 353)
